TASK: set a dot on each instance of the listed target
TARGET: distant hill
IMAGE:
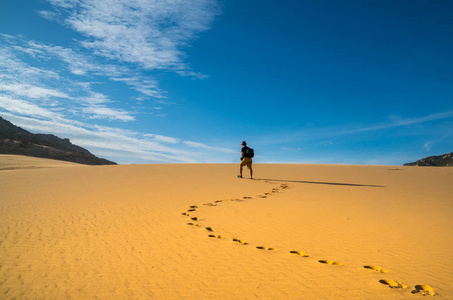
(15, 140)
(445, 160)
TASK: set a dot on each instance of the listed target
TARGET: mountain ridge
(16, 140)
(444, 160)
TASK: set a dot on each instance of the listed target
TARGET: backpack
(249, 153)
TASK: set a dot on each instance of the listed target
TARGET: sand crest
(196, 231)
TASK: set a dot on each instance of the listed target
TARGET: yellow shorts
(246, 161)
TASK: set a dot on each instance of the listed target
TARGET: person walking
(246, 159)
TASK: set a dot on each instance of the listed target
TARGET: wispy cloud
(124, 146)
(396, 121)
(21, 107)
(28, 101)
(38, 92)
(53, 88)
(443, 134)
(148, 33)
(324, 134)
(163, 139)
(203, 146)
(76, 62)
(100, 112)
(80, 63)
(33, 92)
(145, 86)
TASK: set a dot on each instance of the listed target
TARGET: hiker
(246, 159)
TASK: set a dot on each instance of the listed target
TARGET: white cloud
(79, 63)
(203, 146)
(444, 136)
(127, 37)
(64, 3)
(164, 139)
(396, 121)
(76, 61)
(22, 107)
(48, 15)
(100, 112)
(150, 33)
(33, 92)
(332, 132)
(95, 98)
(120, 145)
(148, 87)
(14, 69)
(123, 146)
(38, 92)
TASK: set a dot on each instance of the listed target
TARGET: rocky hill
(445, 160)
(15, 140)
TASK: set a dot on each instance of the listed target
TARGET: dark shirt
(243, 152)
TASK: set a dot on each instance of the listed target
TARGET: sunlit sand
(196, 231)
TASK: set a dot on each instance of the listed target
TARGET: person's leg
(249, 165)
(241, 165)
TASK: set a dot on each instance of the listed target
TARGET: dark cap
(244, 143)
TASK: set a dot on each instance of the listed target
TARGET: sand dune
(196, 231)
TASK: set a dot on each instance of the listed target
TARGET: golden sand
(197, 232)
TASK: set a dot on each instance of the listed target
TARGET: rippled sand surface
(196, 231)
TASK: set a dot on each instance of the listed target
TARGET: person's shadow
(320, 182)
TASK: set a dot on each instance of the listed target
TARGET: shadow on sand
(320, 182)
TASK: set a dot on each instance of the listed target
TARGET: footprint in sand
(300, 253)
(246, 198)
(194, 219)
(210, 204)
(192, 209)
(266, 248)
(240, 241)
(424, 289)
(193, 206)
(216, 236)
(262, 196)
(185, 214)
(209, 229)
(194, 224)
(375, 268)
(329, 262)
(393, 284)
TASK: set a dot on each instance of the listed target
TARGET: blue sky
(141, 81)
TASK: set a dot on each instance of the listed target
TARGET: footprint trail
(422, 289)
